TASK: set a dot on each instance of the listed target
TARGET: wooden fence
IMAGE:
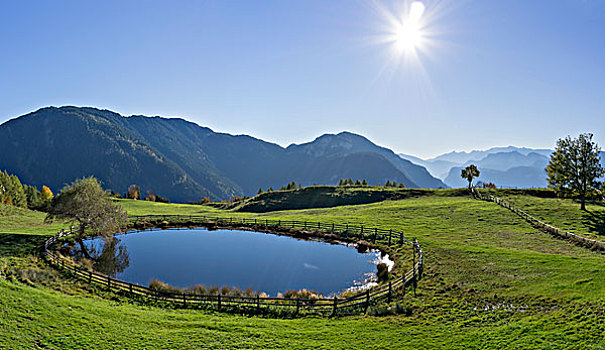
(349, 231)
(555, 231)
(356, 303)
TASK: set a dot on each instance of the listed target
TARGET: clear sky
(487, 73)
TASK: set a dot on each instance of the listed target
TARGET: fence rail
(555, 231)
(357, 302)
(346, 230)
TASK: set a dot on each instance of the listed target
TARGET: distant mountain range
(516, 167)
(182, 160)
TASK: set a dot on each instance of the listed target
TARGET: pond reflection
(107, 255)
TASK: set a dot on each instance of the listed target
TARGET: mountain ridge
(183, 160)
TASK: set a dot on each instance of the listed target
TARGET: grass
(328, 196)
(562, 213)
(491, 281)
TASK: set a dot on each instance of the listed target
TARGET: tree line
(13, 192)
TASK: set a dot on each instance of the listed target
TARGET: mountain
(516, 177)
(345, 142)
(463, 157)
(55, 146)
(505, 166)
(182, 160)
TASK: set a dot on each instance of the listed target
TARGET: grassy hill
(562, 213)
(491, 281)
(328, 196)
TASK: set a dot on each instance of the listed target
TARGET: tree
(469, 173)
(150, 196)
(46, 194)
(13, 192)
(260, 190)
(575, 168)
(134, 192)
(84, 202)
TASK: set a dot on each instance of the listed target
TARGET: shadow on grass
(595, 220)
(19, 244)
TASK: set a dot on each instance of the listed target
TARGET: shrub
(203, 201)
(382, 272)
(363, 246)
(199, 289)
(303, 294)
(160, 286)
(225, 290)
(160, 199)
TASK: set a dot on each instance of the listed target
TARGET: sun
(408, 33)
(408, 37)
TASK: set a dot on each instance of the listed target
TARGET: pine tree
(34, 198)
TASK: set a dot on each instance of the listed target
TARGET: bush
(303, 294)
(199, 289)
(382, 272)
(160, 286)
(160, 199)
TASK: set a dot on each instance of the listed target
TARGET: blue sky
(495, 73)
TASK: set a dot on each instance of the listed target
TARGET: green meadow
(491, 282)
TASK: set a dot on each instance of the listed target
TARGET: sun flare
(408, 34)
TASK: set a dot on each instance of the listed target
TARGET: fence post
(390, 234)
(375, 234)
(367, 300)
(414, 265)
(305, 225)
(184, 299)
(390, 291)
(297, 306)
(108, 283)
(219, 301)
(257, 303)
(400, 238)
(130, 287)
(266, 222)
(335, 306)
(89, 276)
(332, 227)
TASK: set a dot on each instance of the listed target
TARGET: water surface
(267, 263)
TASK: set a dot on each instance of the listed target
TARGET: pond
(265, 262)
